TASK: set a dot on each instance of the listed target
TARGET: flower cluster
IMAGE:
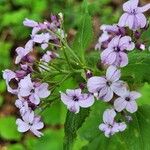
(31, 91)
(115, 43)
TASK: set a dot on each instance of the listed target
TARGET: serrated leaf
(72, 124)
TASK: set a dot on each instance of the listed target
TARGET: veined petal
(123, 20)
(131, 22)
(66, 99)
(142, 21)
(114, 42)
(22, 126)
(109, 95)
(120, 104)
(144, 8)
(123, 59)
(94, 84)
(131, 106)
(106, 53)
(108, 116)
(110, 58)
(113, 74)
(134, 95)
(119, 88)
(87, 101)
(130, 5)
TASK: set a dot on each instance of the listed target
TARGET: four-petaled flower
(30, 122)
(133, 16)
(110, 127)
(127, 101)
(33, 90)
(105, 87)
(74, 99)
(115, 54)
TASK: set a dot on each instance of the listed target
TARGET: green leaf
(72, 124)
(52, 140)
(135, 137)
(54, 115)
(85, 33)
(8, 129)
(137, 72)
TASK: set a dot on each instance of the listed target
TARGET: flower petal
(119, 88)
(94, 84)
(22, 126)
(131, 106)
(67, 100)
(142, 21)
(108, 116)
(124, 59)
(113, 74)
(144, 8)
(123, 20)
(120, 104)
(134, 95)
(87, 101)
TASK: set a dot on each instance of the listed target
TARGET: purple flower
(30, 23)
(22, 52)
(30, 122)
(48, 56)
(9, 75)
(105, 87)
(34, 91)
(109, 31)
(22, 105)
(74, 99)
(110, 127)
(115, 54)
(133, 16)
(43, 39)
(127, 101)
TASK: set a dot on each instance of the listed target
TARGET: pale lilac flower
(48, 56)
(22, 52)
(74, 99)
(115, 54)
(30, 122)
(22, 104)
(105, 87)
(110, 127)
(34, 91)
(42, 39)
(133, 16)
(30, 23)
(9, 75)
(127, 101)
(109, 31)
